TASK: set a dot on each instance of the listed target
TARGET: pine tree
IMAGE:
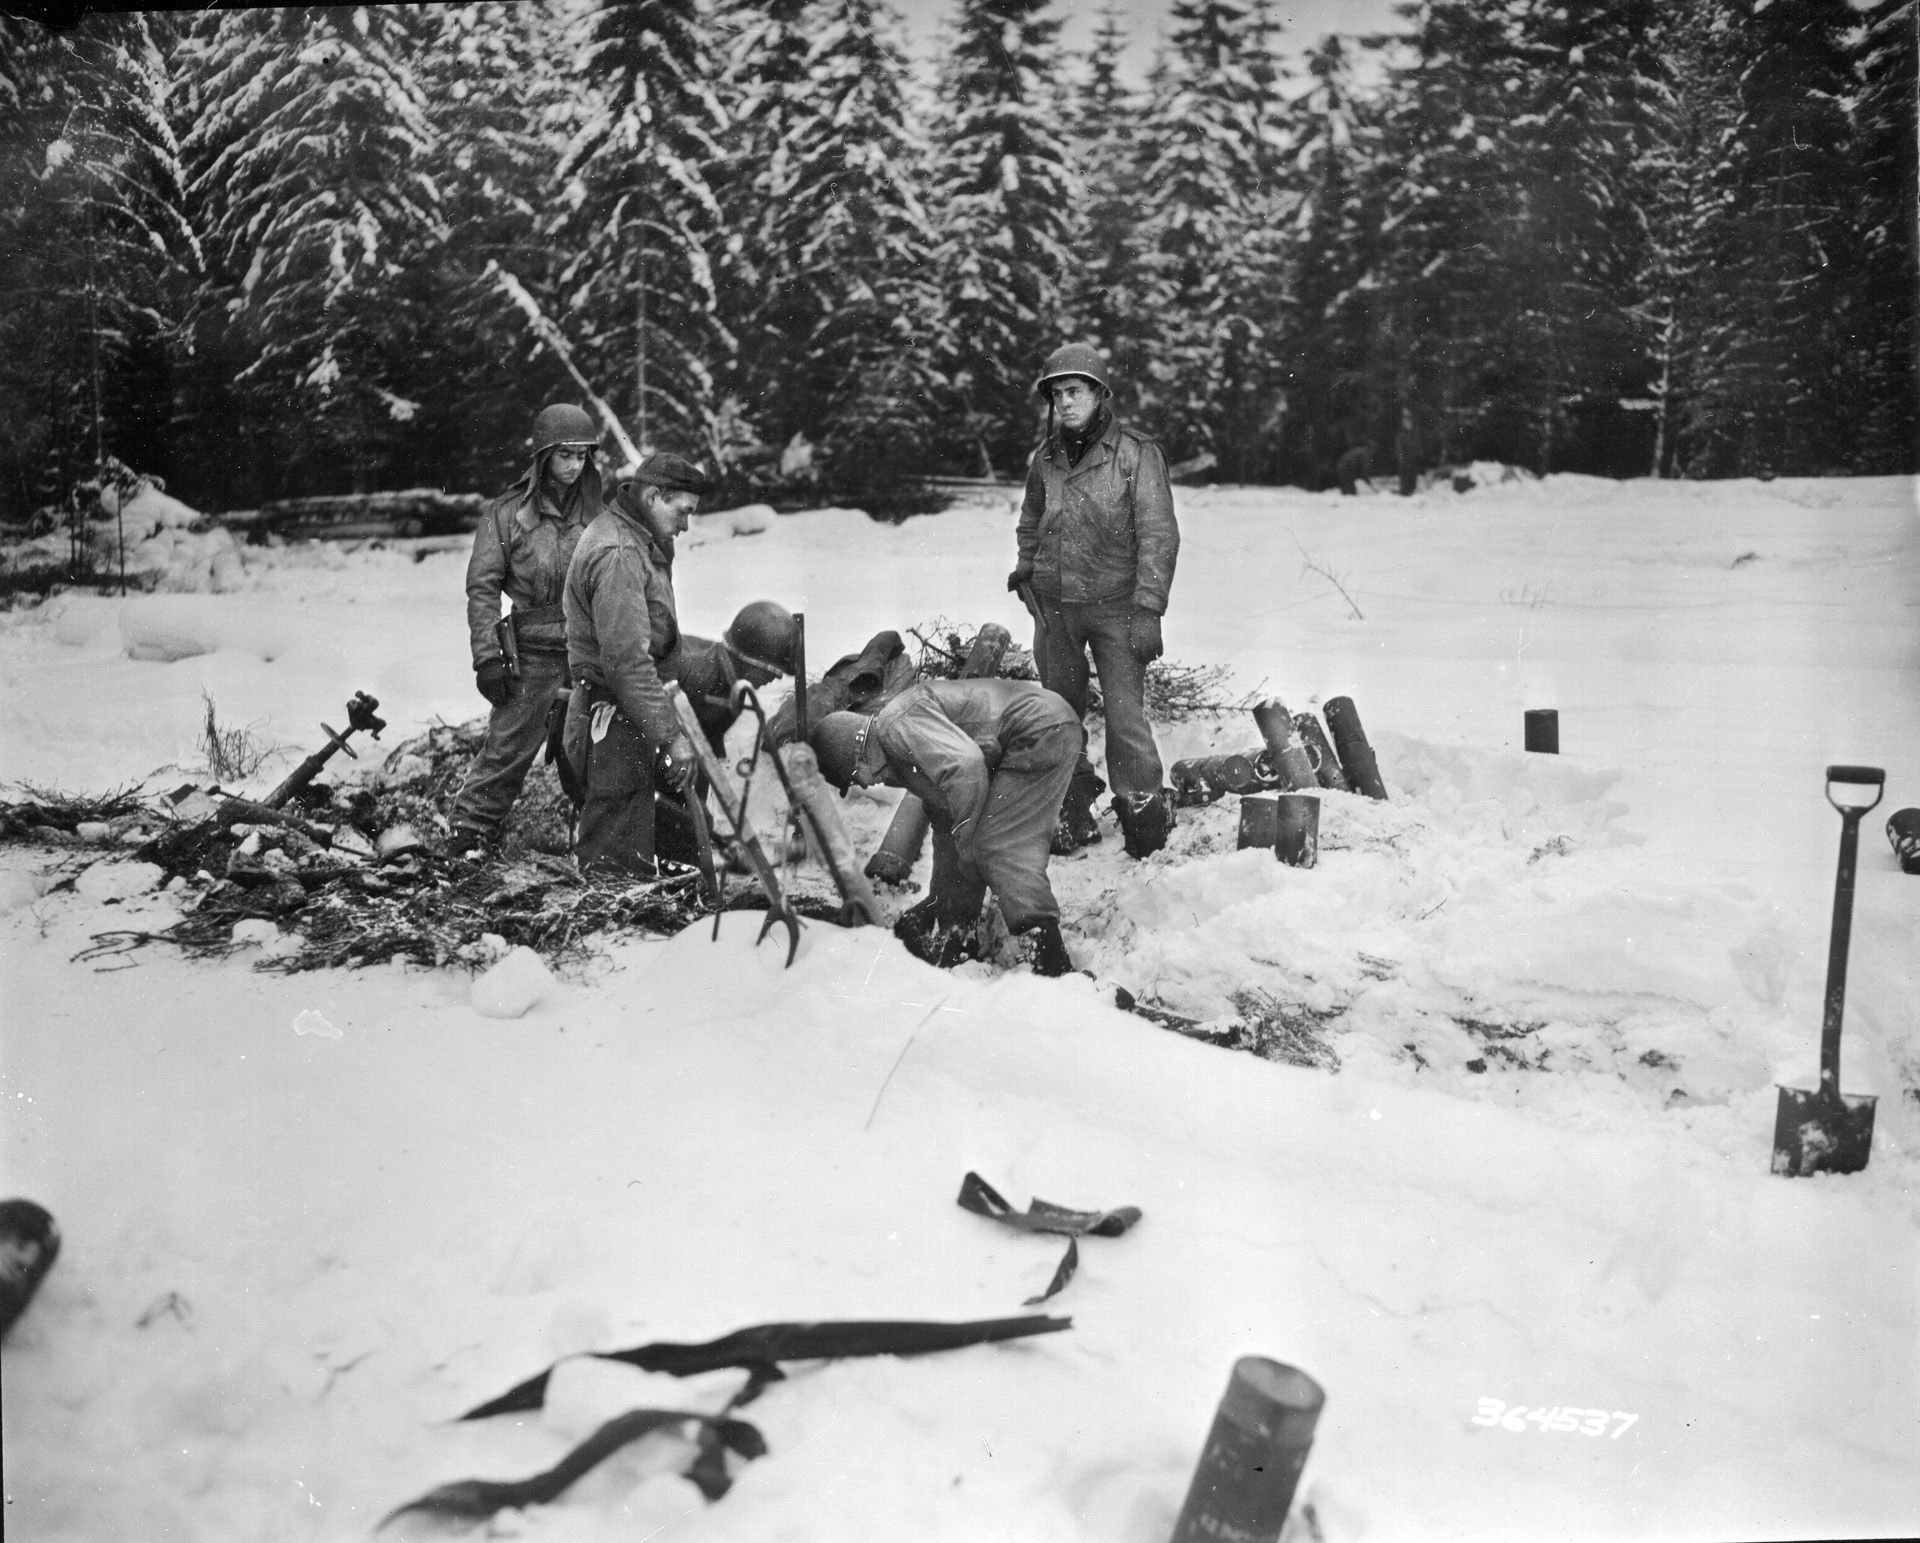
(498, 80)
(1005, 191)
(1329, 410)
(1103, 304)
(1209, 255)
(308, 142)
(1583, 117)
(94, 250)
(1680, 202)
(1880, 386)
(640, 222)
(1785, 285)
(827, 268)
(1507, 242)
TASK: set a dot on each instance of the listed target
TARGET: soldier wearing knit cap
(623, 737)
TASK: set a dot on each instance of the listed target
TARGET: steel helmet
(1075, 359)
(764, 634)
(563, 424)
(839, 740)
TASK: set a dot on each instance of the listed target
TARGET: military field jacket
(622, 623)
(521, 549)
(944, 739)
(1102, 530)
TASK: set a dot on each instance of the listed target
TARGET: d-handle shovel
(1826, 1131)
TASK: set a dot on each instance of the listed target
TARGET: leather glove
(493, 681)
(677, 762)
(1143, 637)
(1018, 577)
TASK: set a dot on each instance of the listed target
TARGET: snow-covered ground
(1560, 990)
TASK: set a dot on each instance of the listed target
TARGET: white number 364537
(1588, 1422)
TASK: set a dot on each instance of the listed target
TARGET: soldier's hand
(677, 762)
(1018, 577)
(1143, 636)
(491, 678)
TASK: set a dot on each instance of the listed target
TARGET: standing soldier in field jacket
(1097, 548)
(623, 737)
(521, 550)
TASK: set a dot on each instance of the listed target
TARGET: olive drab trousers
(1016, 832)
(616, 832)
(627, 824)
(1062, 638)
(515, 732)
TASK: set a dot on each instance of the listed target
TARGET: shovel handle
(801, 726)
(1836, 998)
(1856, 776)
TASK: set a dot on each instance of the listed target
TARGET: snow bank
(1559, 989)
(113, 881)
(748, 520)
(20, 888)
(517, 983)
(707, 1140)
(166, 628)
(150, 510)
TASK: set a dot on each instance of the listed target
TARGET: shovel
(1826, 1131)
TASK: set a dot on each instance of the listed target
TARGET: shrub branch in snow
(1174, 692)
(233, 754)
(357, 877)
(44, 809)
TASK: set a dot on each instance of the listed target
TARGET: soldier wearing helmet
(1097, 543)
(759, 645)
(521, 549)
(623, 737)
(990, 760)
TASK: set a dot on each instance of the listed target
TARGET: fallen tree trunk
(353, 516)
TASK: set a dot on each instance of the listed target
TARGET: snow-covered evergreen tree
(94, 250)
(309, 142)
(1592, 80)
(1774, 355)
(1005, 192)
(828, 286)
(499, 78)
(1209, 251)
(1509, 230)
(639, 221)
(1680, 202)
(1446, 170)
(1880, 387)
(1104, 303)
(1328, 408)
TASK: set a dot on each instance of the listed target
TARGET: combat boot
(941, 943)
(1042, 948)
(1078, 827)
(1145, 819)
(477, 847)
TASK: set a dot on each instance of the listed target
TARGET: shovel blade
(1813, 1133)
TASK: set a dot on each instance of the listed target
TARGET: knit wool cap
(675, 473)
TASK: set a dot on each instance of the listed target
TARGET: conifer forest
(264, 253)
